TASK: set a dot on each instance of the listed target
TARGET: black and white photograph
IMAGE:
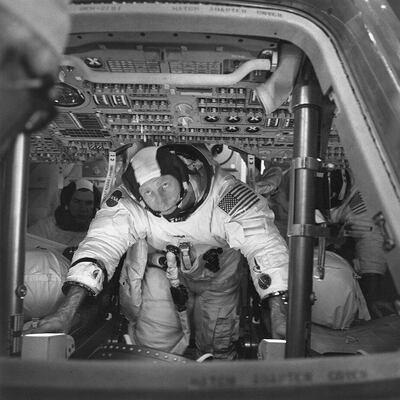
(199, 199)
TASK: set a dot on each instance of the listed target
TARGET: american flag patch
(357, 204)
(238, 200)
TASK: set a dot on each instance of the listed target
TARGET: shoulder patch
(114, 198)
(357, 204)
(238, 200)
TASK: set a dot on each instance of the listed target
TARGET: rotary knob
(252, 129)
(211, 118)
(232, 129)
(233, 119)
(254, 119)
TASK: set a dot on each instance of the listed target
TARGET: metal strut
(306, 107)
(14, 207)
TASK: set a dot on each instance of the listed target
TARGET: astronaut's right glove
(276, 306)
(179, 296)
(212, 260)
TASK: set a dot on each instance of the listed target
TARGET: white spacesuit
(359, 240)
(227, 217)
(47, 228)
(45, 273)
(352, 214)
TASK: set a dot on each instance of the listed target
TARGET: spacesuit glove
(278, 313)
(63, 319)
(53, 323)
(179, 296)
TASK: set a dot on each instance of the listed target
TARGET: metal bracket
(306, 163)
(380, 221)
(16, 323)
(251, 170)
(307, 230)
(321, 254)
(185, 251)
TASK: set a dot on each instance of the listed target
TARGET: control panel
(117, 88)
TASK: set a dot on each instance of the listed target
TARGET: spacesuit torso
(47, 228)
(231, 216)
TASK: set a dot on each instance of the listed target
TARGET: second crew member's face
(161, 194)
(81, 206)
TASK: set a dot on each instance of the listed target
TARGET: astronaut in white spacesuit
(51, 244)
(79, 202)
(356, 231)
(187, 220)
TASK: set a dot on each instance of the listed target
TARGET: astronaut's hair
(68, 191)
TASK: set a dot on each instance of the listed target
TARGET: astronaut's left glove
(276, 306)
(179, 296)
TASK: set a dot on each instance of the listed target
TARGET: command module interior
(200, 199)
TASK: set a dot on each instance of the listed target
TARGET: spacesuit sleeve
(117, 225)
(369, 242)
(249, 227)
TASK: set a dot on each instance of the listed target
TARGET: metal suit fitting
(173, 249)
(21, 291)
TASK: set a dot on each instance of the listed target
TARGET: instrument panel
(113, 92)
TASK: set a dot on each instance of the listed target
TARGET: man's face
(81, 206)
(161, 194)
